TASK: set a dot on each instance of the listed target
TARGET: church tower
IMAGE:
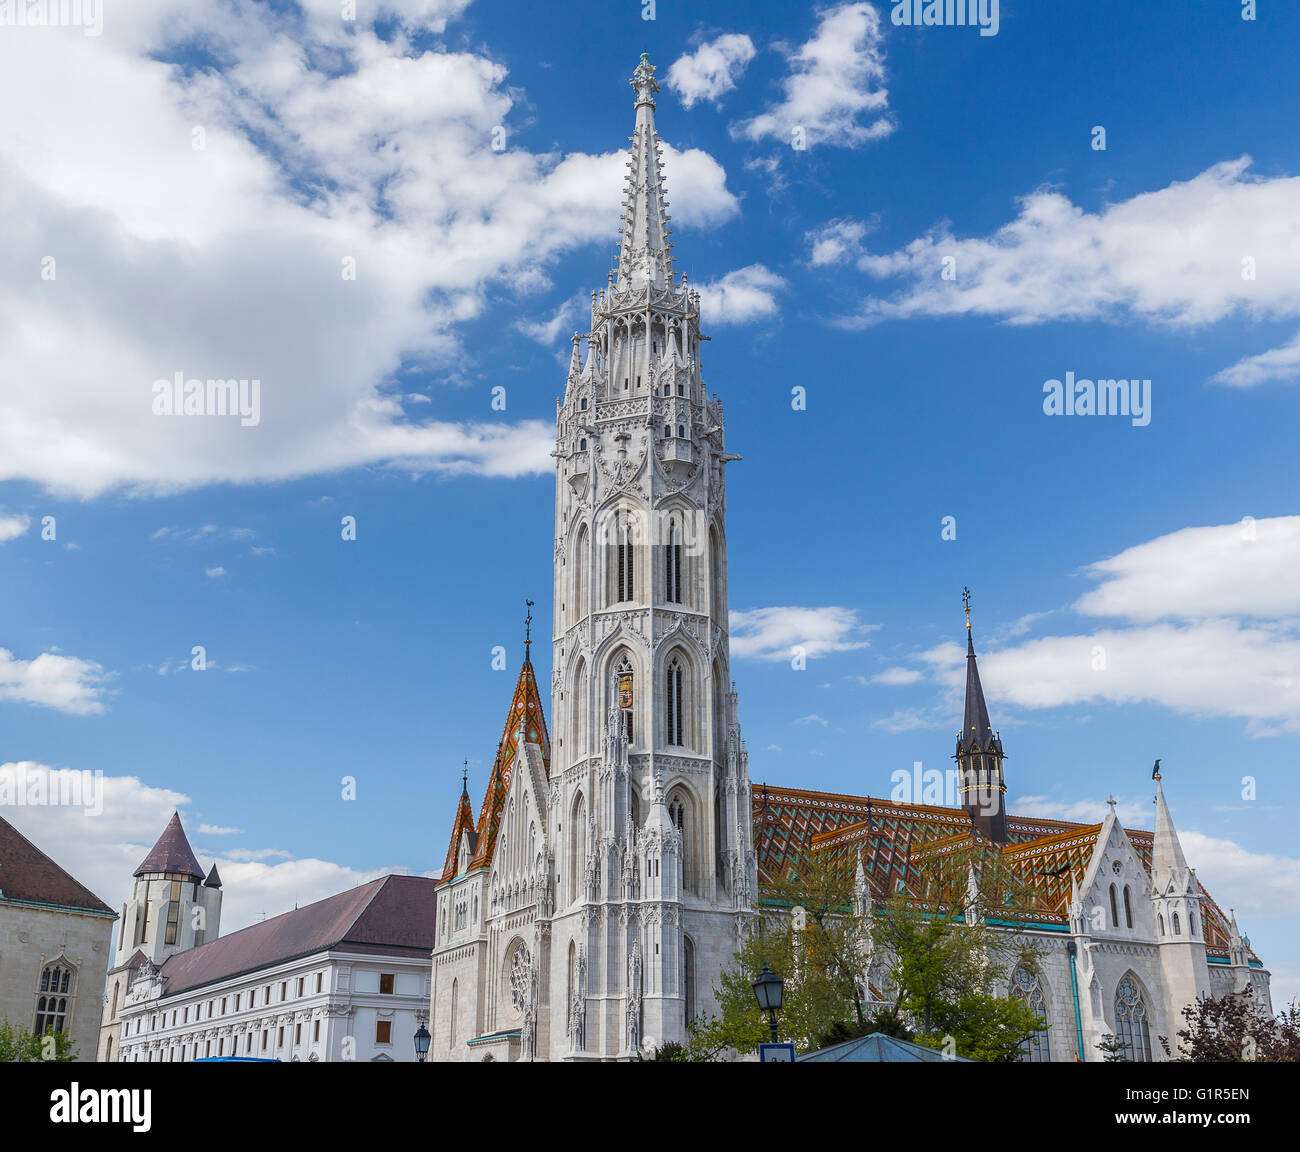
(1176, 901)
(173, 907)
(979, 754)
(656, 869)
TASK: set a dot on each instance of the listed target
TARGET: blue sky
(820, 267)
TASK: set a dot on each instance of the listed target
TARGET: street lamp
(769, 990)
(422, 1039)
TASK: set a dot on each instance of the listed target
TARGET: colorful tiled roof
(898, 843)
(29, 876)
(525, 706)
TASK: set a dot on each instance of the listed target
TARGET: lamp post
(769, 990)
(422, 1039)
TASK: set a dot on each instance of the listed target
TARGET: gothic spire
(644, 251)
(172, 854)
(1167, 860)
(979, 752)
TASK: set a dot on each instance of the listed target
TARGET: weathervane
(528, 626)
(965, 599)
(1155, 772)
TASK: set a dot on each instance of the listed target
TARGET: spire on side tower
(644, 251)
(979, 753)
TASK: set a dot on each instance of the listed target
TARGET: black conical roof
(172, 853)
(976, 730)
(214, 878)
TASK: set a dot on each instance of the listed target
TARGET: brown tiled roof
(27, 874)
(172, 853)
(393, 913)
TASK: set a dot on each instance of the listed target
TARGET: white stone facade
(34, 939)
(622, 878)
(330, 1006)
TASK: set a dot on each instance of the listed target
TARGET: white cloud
(897, 676)
(1248, 569)
(1253, 884)
(11, 527)
(813, 719)
(775, 633)
(560, 323)
(1280, 365)
(217, 830)
(712, 69)
(322, 142)
(214, 573)
(835, 89)
(53, 680)
(1174, 257)
(836, 242)
(103, 850)
(1132, 813)
(741, 296)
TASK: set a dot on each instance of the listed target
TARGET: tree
(941, 968)
(1234, 1029)
(18, 1045)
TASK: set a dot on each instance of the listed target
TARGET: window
(1191, 923)
(673, 566)
(318, 981)
(624, 583)
(52, 1004)
(1027, 986)
(386, 983)
(1161, 919)
(223, 1005)
(1128, 908)
(1178, 928)
(681, 431)
(384, 1032)
(266, 994)
(582, 445)
(142, 933)
(315, 1030)
(279, 1043)
(264, 1038)
(284, 990)
(248, 1042)
(173, 913)
(674, 695)
(584, 403)
(1131, 1021)
(301, 982)
(297, 1034)
(1114, 908)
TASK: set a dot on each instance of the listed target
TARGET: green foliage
(1113, 1050)
(942, 972)
(1233, 1029)
(18, 1045)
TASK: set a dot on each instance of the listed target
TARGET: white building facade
(589, 911)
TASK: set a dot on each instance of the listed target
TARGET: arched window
(624, 668)
(1114, 908)
(624, 562)
(1160, 917)
(1028, 986)
(1131, 1021)
(673, 694)
(52, 1004)
(455, 1003)
(681, 810)
(681, 431)
(578, 714)
(518, 980)
(634, 804)
(1128, 908)
(577, 847)
(1191, 923)
(673, 565)
(1178, 928)
(580, 577)
(688, 978)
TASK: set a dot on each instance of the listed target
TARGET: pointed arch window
(1178, 928)
(1191, 923)
(1028, 986)
(1128, 908)
(681, 810)
(1131, 1024)
(1114, 908)
(624, 583)
(674, 702)
(673, 565)
(52, 1003)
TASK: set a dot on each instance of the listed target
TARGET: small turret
(979, 754)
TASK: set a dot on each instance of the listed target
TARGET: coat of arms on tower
(625, 689)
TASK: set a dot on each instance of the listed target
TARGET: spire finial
(528, 628)
(464, 777)
(965, 599)
(1155, 772)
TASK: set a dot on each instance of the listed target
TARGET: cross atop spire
(644, 252)
(528, 628)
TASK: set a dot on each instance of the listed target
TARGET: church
(619, 856)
